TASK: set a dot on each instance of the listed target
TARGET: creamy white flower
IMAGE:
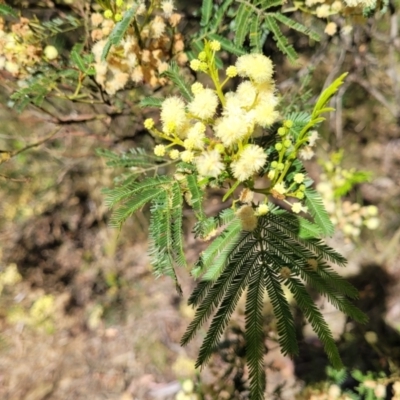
(196, 135)
(372, 223)
(209, 164)
(174, 154)
(159, 150)
(250, 161)
(187, 156)
(262, 209)
(197, 87)
(298, 178)
(265, 114)
(336, 6)
(246, 196)
(173, 114)
(168, 7)
(204, 104)
(50, 52)
(231, 129)
(255, 66)
(298, 207)
(246, 94)
(306, 153)
(96, 19)
(101, 72)
(157, 27)
(118, 81)
(313, 137)
(137, 74)
(323, 11)
(11, 67)
(330, 29)
(346, 30)
(280, 188)
(97, 50)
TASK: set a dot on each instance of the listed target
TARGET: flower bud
(50, 52)
(281, 131)
(108, 14)
(287, 143)
(202, 56)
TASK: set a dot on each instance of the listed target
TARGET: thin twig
(12, 154)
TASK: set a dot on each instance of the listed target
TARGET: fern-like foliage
(174, 74)
(138, 160)
(39, 86)
(163, 193)
(284, 250)
(252, 20)
(7, 10)
(264, 261)
(43, 30)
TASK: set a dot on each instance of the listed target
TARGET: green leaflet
(285, 321)
(316, 208)
(136, 158)
(83, 63)
(304, 228)
(197, 196)
(151, 102)
(121, 214)
(119, 30)
(242, 23)
(296, 26)
(256, 35)
(174, 74)
(177, 218)
(219, 15)
(7, 10)
(280, 38)
(334, 295)
(213, 261)
(317, 321)
(123, 192)
(255, 334)
(326, 95)
(206, 12)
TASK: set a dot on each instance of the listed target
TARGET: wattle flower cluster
(146, 49)
(349, 217)
(19, 52)
(214, 131)
(324, 9)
